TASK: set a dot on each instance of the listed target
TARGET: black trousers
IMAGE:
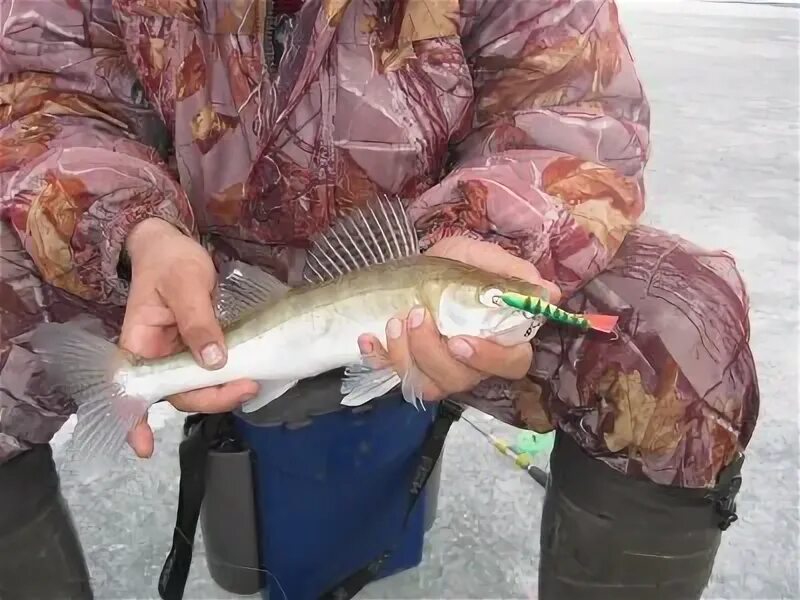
(606, 536)
(40, 555)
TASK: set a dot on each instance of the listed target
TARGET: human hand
(448, 366)
(169, 307)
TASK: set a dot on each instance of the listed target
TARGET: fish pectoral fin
(269, 390)
(361, 384)
(243, 288)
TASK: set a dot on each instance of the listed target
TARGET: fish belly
(299, 348)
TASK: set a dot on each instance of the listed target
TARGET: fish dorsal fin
(243, 288)
(375, 234)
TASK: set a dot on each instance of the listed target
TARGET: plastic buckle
(451, 410)
(192, 422)
(726, 505)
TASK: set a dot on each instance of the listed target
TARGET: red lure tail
(604, 323)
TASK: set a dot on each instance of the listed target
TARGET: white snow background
(723, 82)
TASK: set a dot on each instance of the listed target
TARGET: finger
(431, 355)
(148, 330)
(373, 354)
(216, 399)
(140, 438)
(152, 315)
(508, 362)
(150, 341)
(397, 346)
(401, 359)
(189, 297)
(553, 291)
(493, 258)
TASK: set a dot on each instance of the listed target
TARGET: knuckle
(459, 380)
(445, 391)
(521, 366)
(186, 278)
(516, 374)
(194, 333)
(398, 354)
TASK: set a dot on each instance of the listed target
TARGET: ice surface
(723, 82)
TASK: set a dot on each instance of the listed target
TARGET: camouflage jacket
(518, 121)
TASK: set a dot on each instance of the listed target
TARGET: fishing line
(522, 460)
(258, 569)
(224, 562)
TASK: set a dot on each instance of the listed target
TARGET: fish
(366, 269)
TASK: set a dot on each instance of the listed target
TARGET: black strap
(724, 494)
(201, 433)
(204, 432)
(449, 412)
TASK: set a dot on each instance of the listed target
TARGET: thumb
(189, 298)
(493, 258)
(514, 266)
(507, 362)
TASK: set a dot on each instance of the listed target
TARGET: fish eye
(491, 297)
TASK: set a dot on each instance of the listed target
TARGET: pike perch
(362, 272)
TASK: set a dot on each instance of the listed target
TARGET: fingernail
(366, 347)
(460, 348)
(211, 355)
(416, 317)
(394, 329)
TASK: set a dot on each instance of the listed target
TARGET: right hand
(169, 308)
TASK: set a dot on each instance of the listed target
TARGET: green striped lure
(539, 307)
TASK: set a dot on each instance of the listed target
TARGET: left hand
(458, 364)
(169, 306)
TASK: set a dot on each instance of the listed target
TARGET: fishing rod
(521, 459)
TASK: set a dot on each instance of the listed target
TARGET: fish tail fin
(604, 323)
(82, 365)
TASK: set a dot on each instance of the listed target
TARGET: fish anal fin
(375, 234)
(268, 391)
(243, 288)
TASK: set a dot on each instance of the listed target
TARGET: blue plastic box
(332, 490)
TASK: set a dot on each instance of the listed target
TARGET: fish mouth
(501, 327)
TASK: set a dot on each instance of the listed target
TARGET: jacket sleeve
(551, 164)
(550, 167)
(76, 173)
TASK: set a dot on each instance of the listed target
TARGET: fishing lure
(539, 307)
